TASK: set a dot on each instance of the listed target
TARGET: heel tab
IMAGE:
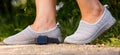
(58, 25)
(106, 6)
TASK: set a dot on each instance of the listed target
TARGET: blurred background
(15, 15)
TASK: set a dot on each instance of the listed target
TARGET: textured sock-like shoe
(87, 32)
(29, 36)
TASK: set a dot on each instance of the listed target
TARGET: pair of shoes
(85, 33)
(29, 36)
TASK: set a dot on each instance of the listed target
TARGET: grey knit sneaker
(29, 36)
(87, 32)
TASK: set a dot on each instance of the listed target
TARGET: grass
(68, 17)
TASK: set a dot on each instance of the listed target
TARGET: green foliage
(15, 19)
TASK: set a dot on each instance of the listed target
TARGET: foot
(87, 32)
(29, 36)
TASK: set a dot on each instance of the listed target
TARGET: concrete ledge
(58, 49)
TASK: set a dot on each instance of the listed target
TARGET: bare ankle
(94, 15)
(41, 27)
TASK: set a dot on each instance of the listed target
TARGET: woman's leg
(91, 10)
(95, 20)
(45, 15)
(44, 25)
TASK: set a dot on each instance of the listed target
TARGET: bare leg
(45, 15)
(91, 10)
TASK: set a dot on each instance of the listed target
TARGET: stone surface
(58, 49)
